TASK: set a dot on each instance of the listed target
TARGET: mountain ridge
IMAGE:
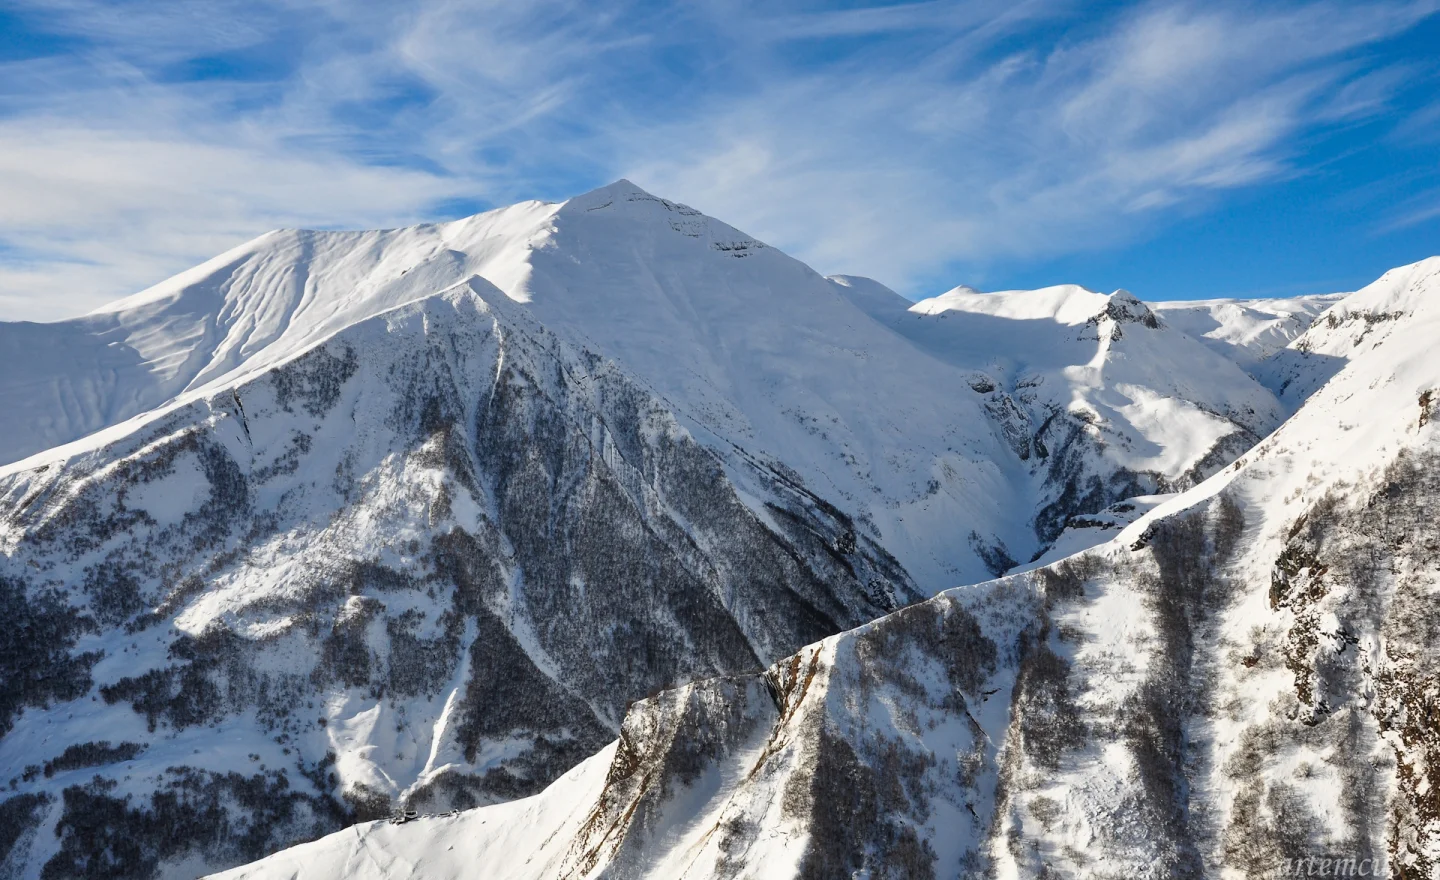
(741, 349)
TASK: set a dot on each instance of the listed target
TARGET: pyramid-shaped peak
(623, 205)
(621, 187)
(620, 194)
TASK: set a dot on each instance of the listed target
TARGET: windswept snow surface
(521, 840)
(1239, 684)
(241, 312)
(1356, 325)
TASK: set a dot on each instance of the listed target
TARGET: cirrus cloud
(897, 141)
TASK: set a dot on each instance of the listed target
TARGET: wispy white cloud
(1421, 207)
(902, 17)
(892, 141)
(1034, 153)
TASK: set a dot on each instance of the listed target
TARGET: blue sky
(1178, 149)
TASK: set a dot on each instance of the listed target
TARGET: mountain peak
(621, 191)
(620, 212)
(1124, 308)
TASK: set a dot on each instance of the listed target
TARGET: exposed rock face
(430, 561)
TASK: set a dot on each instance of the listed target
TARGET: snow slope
(1246, 331)
(1356, 325)
(244, 310)
(1239, 684)
(520, 840)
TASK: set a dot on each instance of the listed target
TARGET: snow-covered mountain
(341, 521)
(432, 558)
(1241, 683)
(1101, 398)
(880, 410)
(1246, 331)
